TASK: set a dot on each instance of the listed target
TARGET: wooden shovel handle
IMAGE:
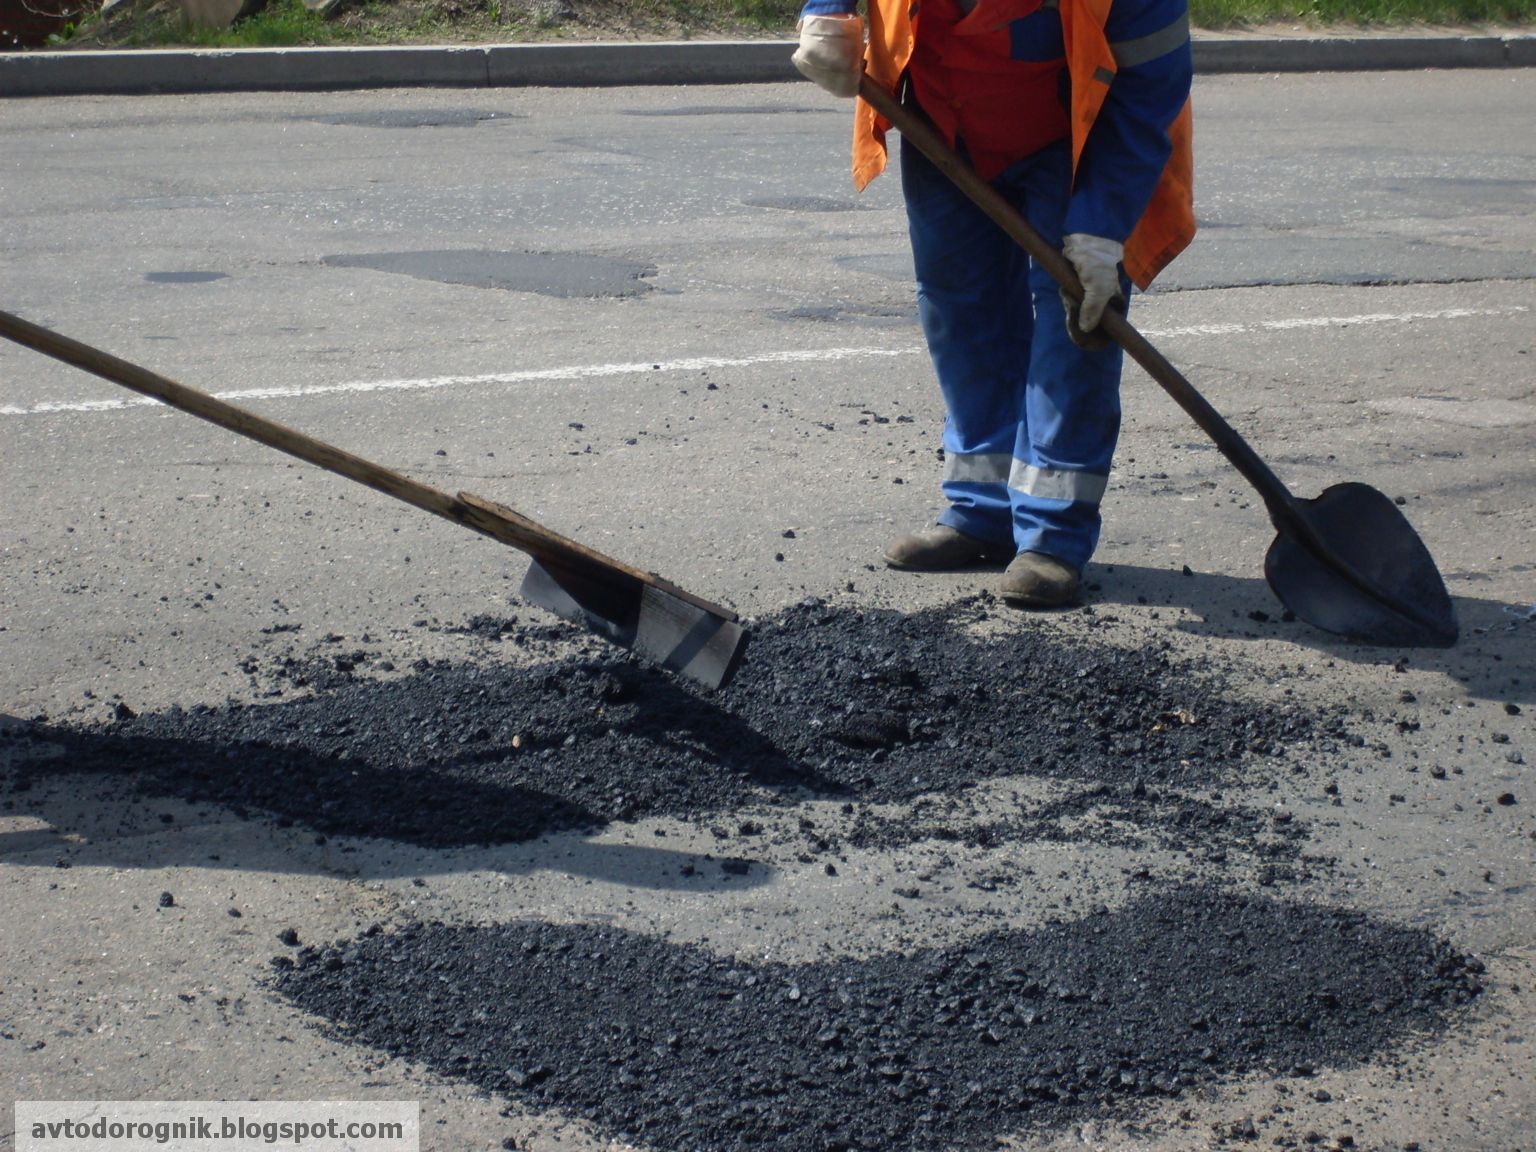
(474, 512)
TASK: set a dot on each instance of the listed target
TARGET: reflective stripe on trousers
(1032, 419)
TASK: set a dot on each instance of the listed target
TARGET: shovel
(1347, 562)
(635, 609)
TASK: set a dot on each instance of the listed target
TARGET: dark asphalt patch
(562, 274)
(189, 277)
(862, 706)
(679, 1048)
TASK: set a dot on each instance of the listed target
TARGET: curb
(1367, 54)
(613, 64)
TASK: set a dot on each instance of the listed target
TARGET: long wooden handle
(1277, 498)
(473, 512)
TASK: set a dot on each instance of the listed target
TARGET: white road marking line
(701, 363)
(1333, 321)
(569, 372)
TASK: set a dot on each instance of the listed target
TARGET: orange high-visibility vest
(1168, 224)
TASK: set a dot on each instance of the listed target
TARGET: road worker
(1077, 111)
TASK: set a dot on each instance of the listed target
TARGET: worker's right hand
(1097, 263)
(831, 52)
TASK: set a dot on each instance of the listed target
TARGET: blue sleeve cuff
(829, 8)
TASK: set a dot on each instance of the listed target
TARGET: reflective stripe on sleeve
(983, 468)
(1057, 484)
(1143, 49)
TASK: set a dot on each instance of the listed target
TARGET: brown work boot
(937, 549)
(1035, 580)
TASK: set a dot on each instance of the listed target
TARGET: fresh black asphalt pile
(898, 716)
(865, 706)
(681, 1049)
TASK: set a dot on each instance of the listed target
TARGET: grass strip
(1379, 14)
(287, 23)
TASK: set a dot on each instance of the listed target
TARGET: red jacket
(1168, 223)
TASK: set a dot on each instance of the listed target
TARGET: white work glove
(1097, 261)
(831, 52)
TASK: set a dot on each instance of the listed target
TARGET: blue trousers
(1032, 419)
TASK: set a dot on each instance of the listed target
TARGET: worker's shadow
(139, 841)
(1245, 608)
(408, 812)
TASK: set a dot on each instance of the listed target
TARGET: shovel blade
(668, 630)
(1396, 597)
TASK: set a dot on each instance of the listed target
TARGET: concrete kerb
(1382, 53)
(479, 66)
(610, 64)
(237, 70)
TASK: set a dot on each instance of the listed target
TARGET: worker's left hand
(1097, 261)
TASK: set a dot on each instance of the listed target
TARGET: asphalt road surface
(662, 322)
